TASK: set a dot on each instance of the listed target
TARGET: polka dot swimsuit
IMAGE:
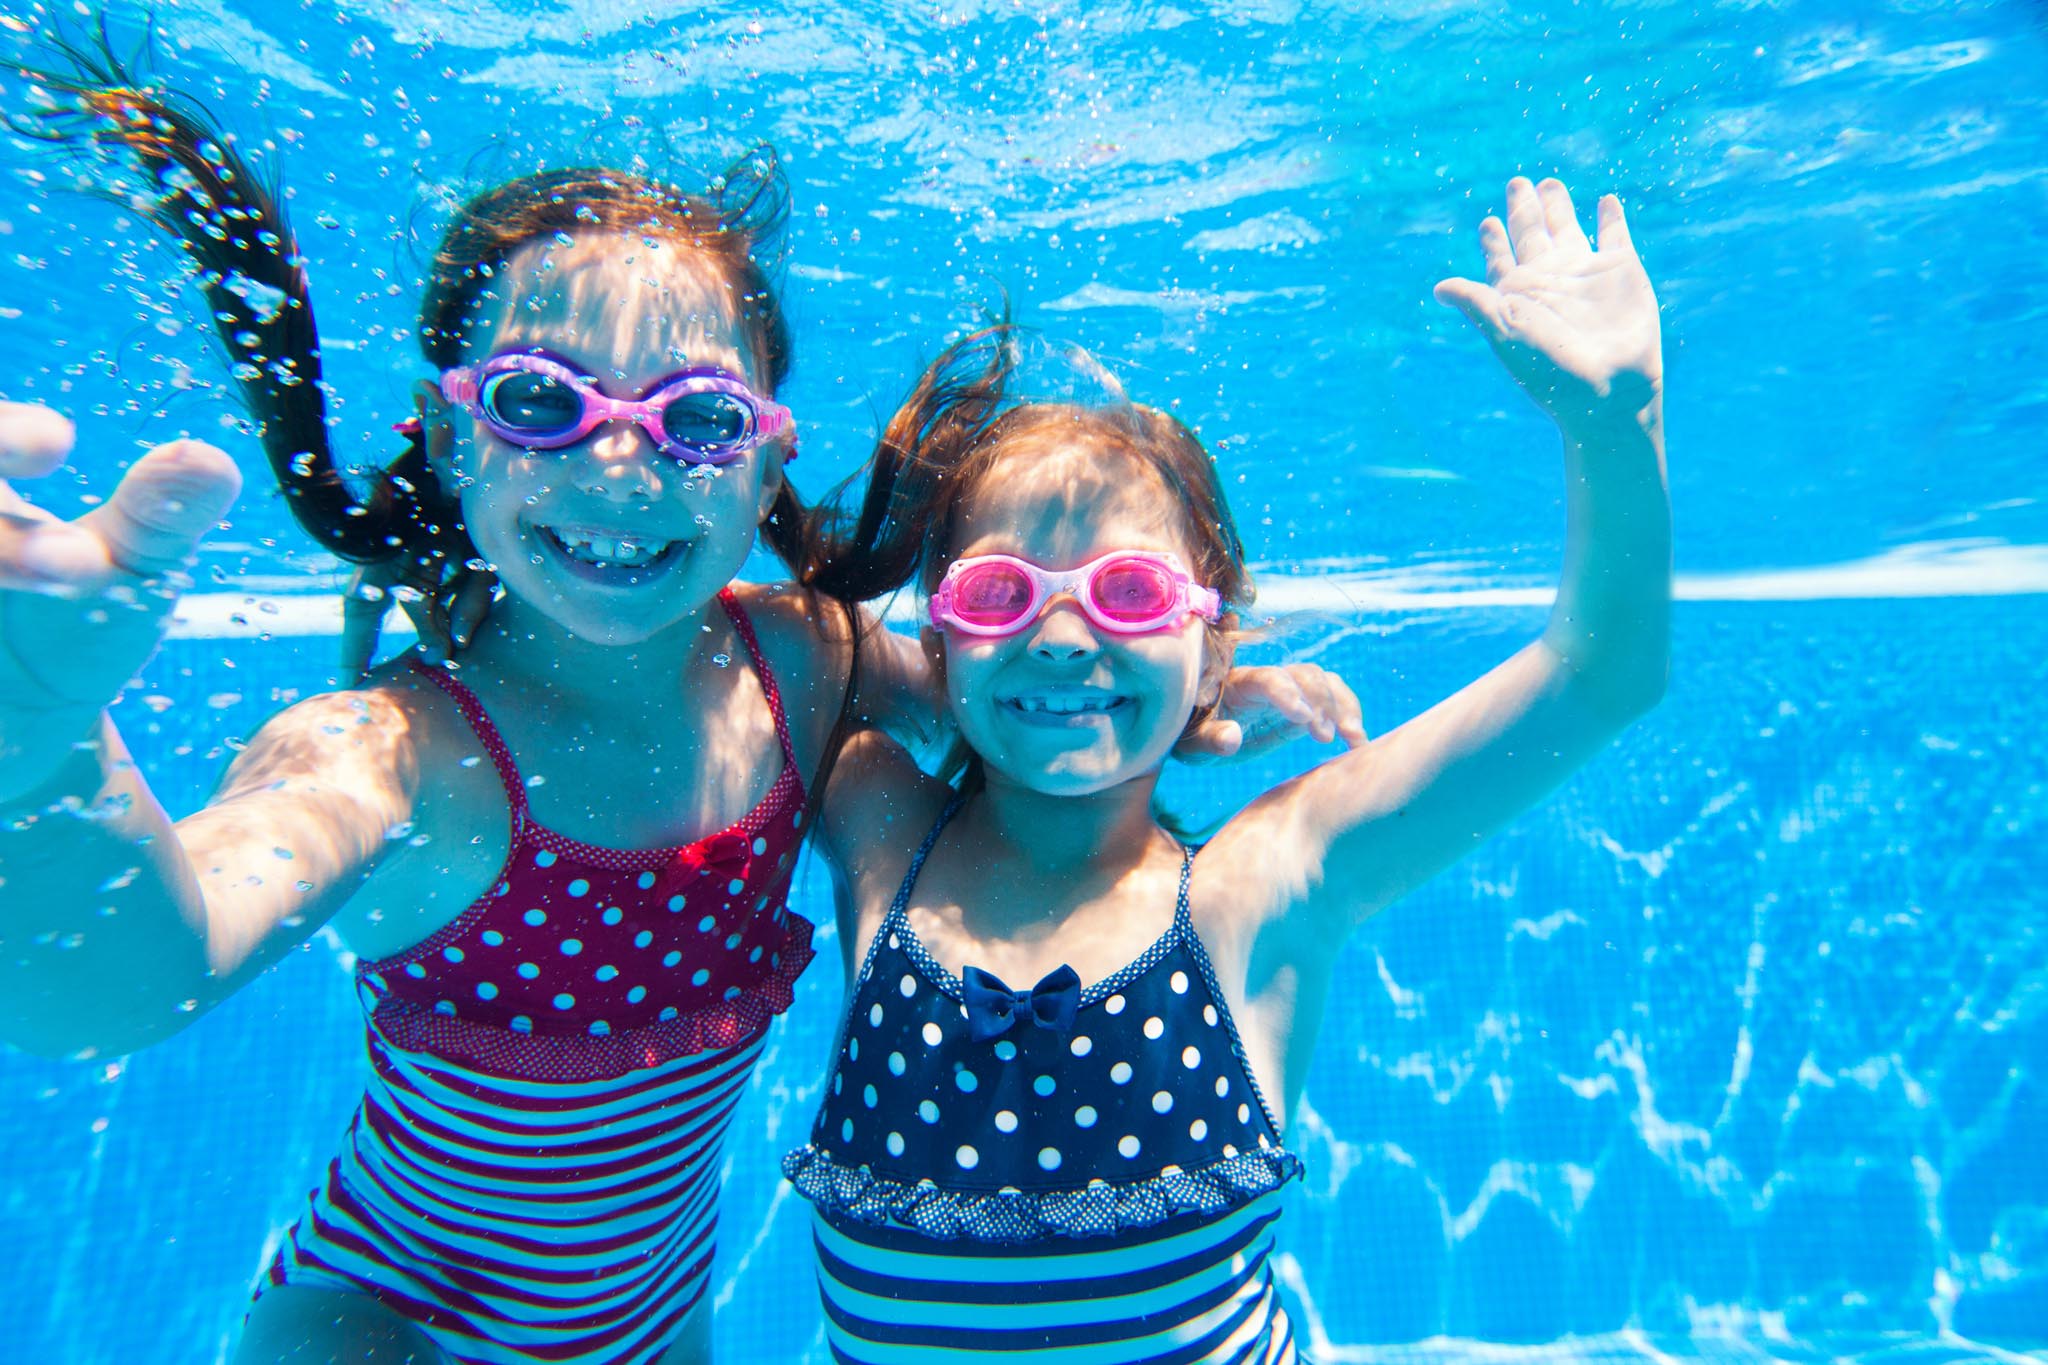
(1141, 1125)
(533, 1171)
(583, 960)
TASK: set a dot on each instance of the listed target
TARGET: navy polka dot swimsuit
(1101, 1156)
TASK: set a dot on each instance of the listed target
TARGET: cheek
(728, 499)
(1177, 661)
(962, 669)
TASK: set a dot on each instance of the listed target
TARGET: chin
(1074, 774)
(610, 631)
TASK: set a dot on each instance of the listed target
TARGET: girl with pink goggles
(1126, 592)
(699, 416)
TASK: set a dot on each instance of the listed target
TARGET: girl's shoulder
(807, 645)
(390, 702)
(806, 637)
(357, 752)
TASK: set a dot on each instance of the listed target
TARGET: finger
(1324, 724)
(1527, 228)
(1315, 692)
(1349, 714)
(1213, 739)
(430, 622)
(1285, 696)
(33, 440)
(362, 623)
(437, 419)
(1493, 245)
(472, 605)
(1479, 302)
(165, 503)
(1614, 234)
(39, 553)
(1561, 216)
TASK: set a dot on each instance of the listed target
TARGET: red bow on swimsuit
(727, 854)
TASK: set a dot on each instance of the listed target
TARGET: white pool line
(1931, 569)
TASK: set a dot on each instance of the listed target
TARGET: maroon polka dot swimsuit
(533, 1170)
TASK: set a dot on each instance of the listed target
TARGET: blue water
(1736, 1049)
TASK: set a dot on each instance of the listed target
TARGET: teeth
(1067, 703)
(609, 550)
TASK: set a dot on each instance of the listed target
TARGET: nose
(619, 464)
(1063, 631)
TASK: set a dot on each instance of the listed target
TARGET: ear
(771, 480)
(1219, 656)
(437, 427)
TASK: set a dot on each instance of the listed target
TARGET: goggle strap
(459, 386)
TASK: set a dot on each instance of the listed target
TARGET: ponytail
(204, 196)
(912, 479)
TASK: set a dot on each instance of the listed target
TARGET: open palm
(1576, 327)
(82, 602)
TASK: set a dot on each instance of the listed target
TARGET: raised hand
(1265, 707)
(1577, 327)
(445, 616)
(82, 603)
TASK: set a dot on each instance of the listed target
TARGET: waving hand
(1576, 326)
(82, 602)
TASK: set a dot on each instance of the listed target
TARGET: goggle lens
(1133, 591)
(992, 595)
(534, 404)
(706, 421)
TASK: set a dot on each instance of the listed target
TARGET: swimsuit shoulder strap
(1183, 922)
(486, 733)
(1184, 929)
(728, 599)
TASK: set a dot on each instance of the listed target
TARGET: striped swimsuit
(1044, 1175)
(532, 1174)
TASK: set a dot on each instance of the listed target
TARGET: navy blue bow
(992, 1006)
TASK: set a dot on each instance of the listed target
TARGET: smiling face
(1063, 706)
(609, 538)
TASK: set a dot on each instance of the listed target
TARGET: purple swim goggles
(699, 416)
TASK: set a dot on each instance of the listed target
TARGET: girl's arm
(1578, 329)
(878, 807)
(116, 927)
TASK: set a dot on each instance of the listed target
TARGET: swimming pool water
(1733, 1050)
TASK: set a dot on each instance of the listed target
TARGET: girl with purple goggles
(700, 415)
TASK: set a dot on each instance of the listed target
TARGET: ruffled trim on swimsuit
(857, 1194)
(500, 1051)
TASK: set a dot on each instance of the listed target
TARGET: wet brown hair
(204, 196)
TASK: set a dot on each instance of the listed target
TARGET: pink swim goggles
(699, 416)
(1126, 592)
